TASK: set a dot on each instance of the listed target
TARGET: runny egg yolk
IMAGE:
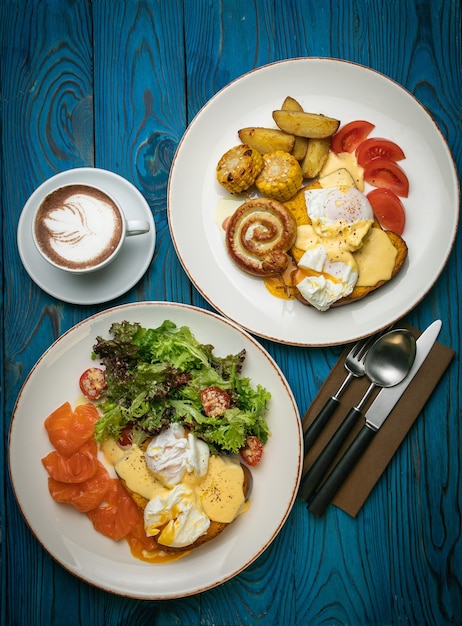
(176, 517)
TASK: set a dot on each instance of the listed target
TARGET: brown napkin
(357, 487)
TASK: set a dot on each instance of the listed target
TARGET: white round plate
(110, 282)
(69, 536)
(347, 92)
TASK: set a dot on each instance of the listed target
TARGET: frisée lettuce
(155, 377)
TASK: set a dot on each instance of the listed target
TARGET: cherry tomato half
(388, 209)
(92, 383)
(375, 147)
(252, 452)
(125, 437)
(215, 401)
(385, 173)
(350, 136)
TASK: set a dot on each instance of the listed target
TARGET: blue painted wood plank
(47, 125)
(115, 84)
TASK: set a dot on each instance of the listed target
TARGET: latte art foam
(78, 227)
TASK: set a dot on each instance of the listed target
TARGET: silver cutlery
(387, 362)
(376, 415)
(354, 364)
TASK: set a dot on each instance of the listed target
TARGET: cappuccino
(78, 228)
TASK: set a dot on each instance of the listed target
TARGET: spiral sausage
(258, 235)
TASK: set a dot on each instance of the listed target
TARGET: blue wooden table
(114, 84)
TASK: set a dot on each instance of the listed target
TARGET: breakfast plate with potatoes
(204, 514)
(313, 202)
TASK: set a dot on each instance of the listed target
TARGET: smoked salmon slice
(69, 429)
(139, 542)
(117, 515)
(83, 496)
(76, 468)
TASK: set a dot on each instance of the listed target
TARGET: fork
(354, 364)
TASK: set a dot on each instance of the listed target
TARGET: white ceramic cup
(80, 228)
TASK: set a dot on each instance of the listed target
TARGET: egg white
(180, 515)
(333, 277)
(171, 454)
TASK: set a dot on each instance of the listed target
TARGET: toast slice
(297, 206)
(215, 528)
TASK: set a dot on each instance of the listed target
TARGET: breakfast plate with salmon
(322, 197)
(161, 494)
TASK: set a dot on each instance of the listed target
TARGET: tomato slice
(385, 173)
(375, 147)
(92, 383)
(388, 209)
(350, 136)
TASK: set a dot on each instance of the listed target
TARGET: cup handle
(137, 227)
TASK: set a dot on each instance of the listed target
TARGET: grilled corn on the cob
(238, 168)
(281, 176)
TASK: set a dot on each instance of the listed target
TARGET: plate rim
(252, 328)
(166, 305)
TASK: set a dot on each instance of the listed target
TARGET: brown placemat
(362, 479)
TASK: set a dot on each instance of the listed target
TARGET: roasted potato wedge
(300, 147)
(301, 143)
(304, 124)
(266, 139)
(316, 155)
(290, 104)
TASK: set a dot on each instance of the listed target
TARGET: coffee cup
(80, 228)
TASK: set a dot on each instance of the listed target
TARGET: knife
(376, 415)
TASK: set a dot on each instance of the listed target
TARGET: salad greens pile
(154, 377)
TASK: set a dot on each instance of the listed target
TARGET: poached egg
(176, 517)
(340, 213)
(341, 218)
(170, 455)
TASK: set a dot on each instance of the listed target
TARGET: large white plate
(69, 536)
(346, 91)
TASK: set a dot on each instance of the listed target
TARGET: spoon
(387, 363)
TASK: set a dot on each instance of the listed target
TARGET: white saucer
(109, 282)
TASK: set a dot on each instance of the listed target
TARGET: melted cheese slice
(376, 259)
(344, 160)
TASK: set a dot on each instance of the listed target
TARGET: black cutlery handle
(316, 473)
(335, 479)
(314, 429)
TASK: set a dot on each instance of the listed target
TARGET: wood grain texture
(114, 84)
